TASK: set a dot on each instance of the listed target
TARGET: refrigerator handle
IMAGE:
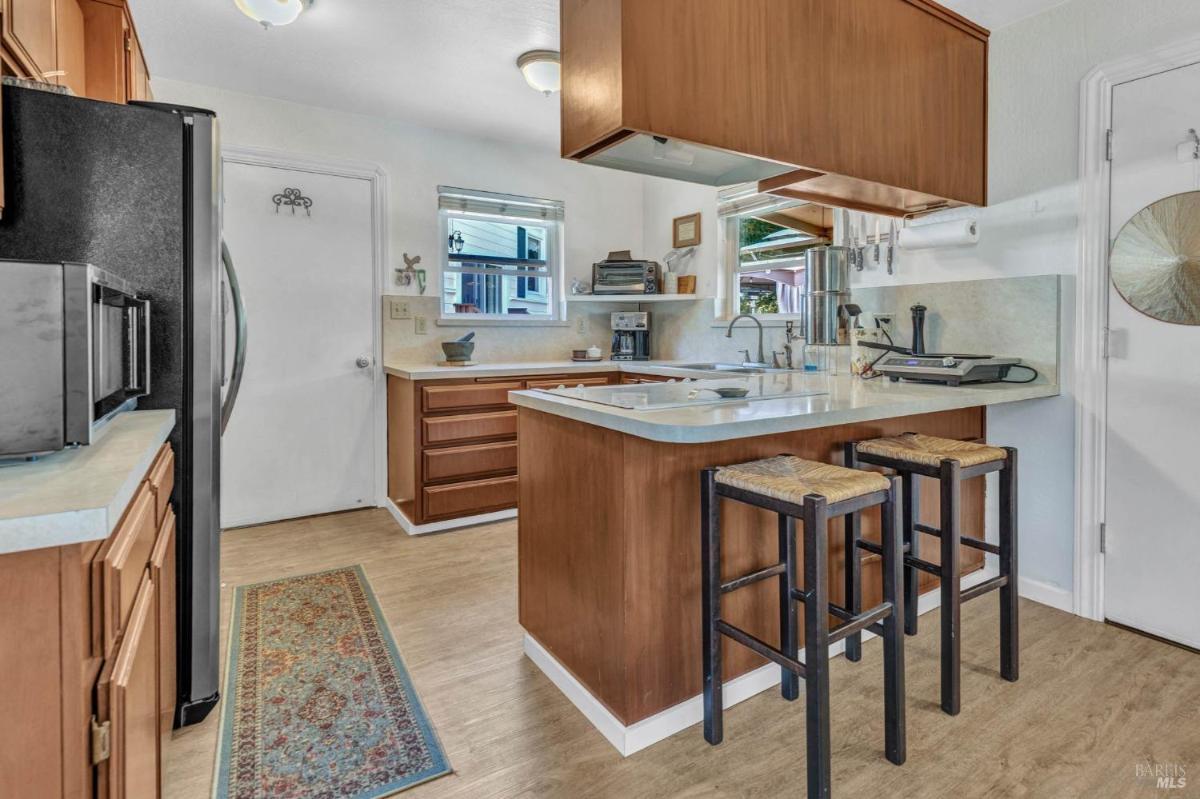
(239, 347)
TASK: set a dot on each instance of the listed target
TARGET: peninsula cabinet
(452, 444)
(876, 105)
(87, 650)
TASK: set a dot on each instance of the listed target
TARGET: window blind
(507, 205)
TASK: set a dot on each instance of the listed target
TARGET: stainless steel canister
(827, 288)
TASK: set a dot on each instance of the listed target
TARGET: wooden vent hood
(877, 105)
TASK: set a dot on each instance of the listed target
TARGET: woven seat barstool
(949, 462)
(794, 488)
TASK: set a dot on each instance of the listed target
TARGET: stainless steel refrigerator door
(203, 560)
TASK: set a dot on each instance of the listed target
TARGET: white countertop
(79, 494)
(425, 371)
(847, 400)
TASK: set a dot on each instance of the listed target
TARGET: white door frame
(1091, 307)
(378, 178)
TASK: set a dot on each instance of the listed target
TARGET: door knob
(362, 362)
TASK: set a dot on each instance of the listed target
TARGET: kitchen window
(763, 244)
(502, 257)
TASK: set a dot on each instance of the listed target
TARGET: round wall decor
(1155, 260)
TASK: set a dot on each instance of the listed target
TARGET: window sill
(767, 321)
(464, 321)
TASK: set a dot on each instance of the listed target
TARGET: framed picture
(686, 231)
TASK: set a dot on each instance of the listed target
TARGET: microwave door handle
(145, 348)
(239, 346)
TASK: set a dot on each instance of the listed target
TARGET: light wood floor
(1093, 701)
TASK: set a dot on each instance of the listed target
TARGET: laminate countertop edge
(849, 402)
(79, 494)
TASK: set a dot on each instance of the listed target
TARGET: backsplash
(1004, 316)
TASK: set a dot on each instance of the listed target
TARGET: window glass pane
(775, 291)
(769, 273)
(485, 266)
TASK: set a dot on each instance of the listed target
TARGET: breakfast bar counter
(609, 526)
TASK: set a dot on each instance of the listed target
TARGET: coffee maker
(631, 336)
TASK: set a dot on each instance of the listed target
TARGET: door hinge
(1103, 537)
(1108, 145)
(101, 744)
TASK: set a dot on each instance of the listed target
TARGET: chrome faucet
(729, 334)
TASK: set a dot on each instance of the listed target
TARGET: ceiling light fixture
(273, 13)
(542, 70)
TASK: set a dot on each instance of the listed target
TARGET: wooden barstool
(812, 492)
(949, 462)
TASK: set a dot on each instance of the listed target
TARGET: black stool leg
(789, 633)
(710, 590)
(816, 645)
(912, 514)
(1009, 637)
(852, 573)
(951, 485)
(895, 745)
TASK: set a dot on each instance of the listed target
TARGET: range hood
(878, 105)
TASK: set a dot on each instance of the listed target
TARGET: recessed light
(542, 70)
(273, 13)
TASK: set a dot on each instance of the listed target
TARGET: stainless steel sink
(730, 368)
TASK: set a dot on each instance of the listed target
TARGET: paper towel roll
(959, 233)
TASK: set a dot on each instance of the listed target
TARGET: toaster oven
(76, 352)
(625, 277)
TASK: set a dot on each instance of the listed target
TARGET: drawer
(162, 481)
(122, 562)
(569, 382)
(446, 464)
(473, 395)
(476, 496)
(447, 429)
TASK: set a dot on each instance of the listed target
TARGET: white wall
(604, 207)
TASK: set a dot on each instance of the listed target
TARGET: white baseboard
(450, 524)
(1046, 594)
(631, 738)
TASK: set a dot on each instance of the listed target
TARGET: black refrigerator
(135, 190)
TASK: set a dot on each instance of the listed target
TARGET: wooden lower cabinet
(87, 654)
(452, 444)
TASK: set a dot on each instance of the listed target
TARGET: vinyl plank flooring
(1093, 701)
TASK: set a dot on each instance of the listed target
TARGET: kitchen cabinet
(87, 651)
(452, 444)
(30, 36)
(877, 105)
(72, 61)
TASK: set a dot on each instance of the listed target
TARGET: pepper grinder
(918, 329)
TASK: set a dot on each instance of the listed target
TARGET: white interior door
(301, 439)
(1152, 548)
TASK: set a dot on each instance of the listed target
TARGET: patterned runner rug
(317, 701)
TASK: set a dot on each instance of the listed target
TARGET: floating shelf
(634, 298)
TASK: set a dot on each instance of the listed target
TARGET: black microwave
(76, 352)
(625, 277)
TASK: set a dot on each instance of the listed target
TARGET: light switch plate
(400, 309)
(581, 325)
(419, 325)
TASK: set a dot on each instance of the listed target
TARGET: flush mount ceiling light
(272, 13)
(542, 70)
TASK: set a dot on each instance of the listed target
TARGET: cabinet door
(122, 561)
(105, 52)
(162, 572)
(136, 71)
(29, 34)
(72, 63)
(127, 699)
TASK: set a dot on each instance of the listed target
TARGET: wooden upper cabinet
(72, 61)
(30, 36)
(879, 105)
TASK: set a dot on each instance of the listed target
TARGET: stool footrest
(984, 587)
(845, 615)
(753, 577)
(761, 647)
(877, 549)
(965, 540)
(862, 621)
(923, 565)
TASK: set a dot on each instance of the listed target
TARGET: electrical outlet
(419, 325)
(581, 325)
(401, 309)
(885, 320)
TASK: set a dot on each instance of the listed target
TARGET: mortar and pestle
(458, 352)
